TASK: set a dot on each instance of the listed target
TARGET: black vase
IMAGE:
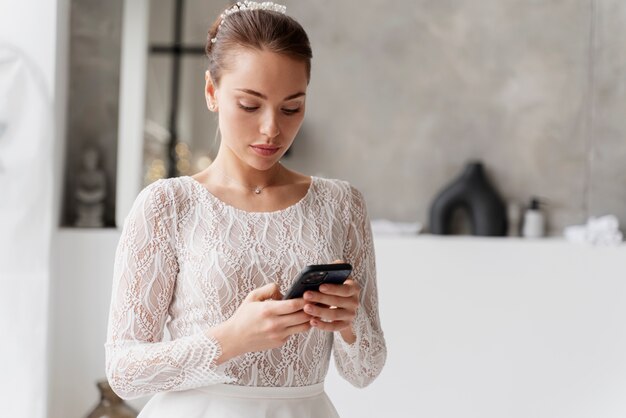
(472, 192)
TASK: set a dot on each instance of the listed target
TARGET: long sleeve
(138, 362)
(362, 361)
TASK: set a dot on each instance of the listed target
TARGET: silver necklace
(255, 189)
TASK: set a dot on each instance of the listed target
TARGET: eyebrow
(262, 96)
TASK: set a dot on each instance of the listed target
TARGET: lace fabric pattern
(186, 260)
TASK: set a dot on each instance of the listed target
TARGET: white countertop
(496, 327)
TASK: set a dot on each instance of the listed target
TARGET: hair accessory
(249, 5)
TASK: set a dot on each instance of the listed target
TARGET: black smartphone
(312, 276)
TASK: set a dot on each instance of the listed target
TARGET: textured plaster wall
(403, 96)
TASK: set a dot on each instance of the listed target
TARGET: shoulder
(341, 193)
(340, 188)
(165, 196)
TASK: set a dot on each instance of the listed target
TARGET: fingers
(329, 314)
(295, 319)
(273, 305)
(288, 325)
(347, 289)
(298, 328)
(343, 296)
(269, 291)
(313, 298)
(334, 306)
(330, 326)
(285, 307)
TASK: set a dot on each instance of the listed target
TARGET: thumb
(269, 291)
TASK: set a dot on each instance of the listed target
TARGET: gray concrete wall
(607, 138)
(404, 93)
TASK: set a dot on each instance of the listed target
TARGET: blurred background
(99, 99)
(402, 95)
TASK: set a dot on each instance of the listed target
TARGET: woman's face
(261, 101)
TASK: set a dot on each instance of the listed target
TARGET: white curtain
(26, 157)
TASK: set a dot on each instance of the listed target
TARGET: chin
(263, 164)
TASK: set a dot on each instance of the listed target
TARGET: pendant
(257, 190)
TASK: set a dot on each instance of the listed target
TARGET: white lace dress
(186, 260)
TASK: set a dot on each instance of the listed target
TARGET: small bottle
(534, 222)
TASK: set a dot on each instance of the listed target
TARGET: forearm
(360, 359)
(227, 341)
(348, 335)
(139, 368)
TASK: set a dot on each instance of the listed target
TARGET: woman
(210, 256)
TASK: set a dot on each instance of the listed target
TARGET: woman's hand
(263, 321)
(334, 307)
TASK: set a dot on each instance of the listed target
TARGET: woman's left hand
(334, 307)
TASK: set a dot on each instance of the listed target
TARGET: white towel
(601, 231)
(387, 227)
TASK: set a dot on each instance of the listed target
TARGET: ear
(209, 92)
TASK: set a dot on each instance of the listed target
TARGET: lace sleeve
(362, 361)
(138, 362)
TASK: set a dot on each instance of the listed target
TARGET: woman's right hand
(263, 321)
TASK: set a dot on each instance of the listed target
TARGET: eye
(291, 111)
(248, 108)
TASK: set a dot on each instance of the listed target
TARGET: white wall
(83, 268)
(475, 328)
(30, 28)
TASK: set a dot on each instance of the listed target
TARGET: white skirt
(232, 401)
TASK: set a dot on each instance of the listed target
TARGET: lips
(265, 150)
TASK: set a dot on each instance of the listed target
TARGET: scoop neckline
(210, 195)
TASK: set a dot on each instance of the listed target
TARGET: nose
(269, 124)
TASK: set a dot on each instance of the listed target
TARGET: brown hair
(259, 30)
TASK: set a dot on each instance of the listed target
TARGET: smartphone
(312, 276)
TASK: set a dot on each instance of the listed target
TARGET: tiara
(249, 5)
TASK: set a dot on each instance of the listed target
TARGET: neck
(244, 174)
